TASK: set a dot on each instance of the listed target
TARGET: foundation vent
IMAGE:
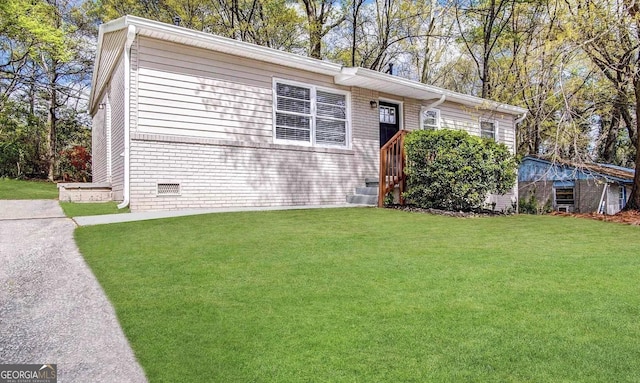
(168, 189)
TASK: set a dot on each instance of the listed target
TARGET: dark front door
(389, 121)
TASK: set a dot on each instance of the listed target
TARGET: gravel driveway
(52, 309)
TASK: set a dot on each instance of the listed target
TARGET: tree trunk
(608, 149)
(51, 137)
(634, 198)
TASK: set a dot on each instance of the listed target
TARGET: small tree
(452, 170)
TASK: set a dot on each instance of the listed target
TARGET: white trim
(400, 110)
(312, 128)
(424, 109)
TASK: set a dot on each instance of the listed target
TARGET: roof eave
(109, 27)
(375, 80)
(235, 47)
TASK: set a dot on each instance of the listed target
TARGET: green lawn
(19, 189)
(74, 209)
(374, 295)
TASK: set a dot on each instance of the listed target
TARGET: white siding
(194, 92)
(116, 98)
(456, 116)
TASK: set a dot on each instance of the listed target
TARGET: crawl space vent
(168, 189)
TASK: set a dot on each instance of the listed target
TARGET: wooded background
(574, 64)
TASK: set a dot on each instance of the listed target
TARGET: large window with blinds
(310, 115)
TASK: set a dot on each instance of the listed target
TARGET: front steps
(367, 195)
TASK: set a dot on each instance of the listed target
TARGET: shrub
(531, 205)
(452, 170)
(75, 164)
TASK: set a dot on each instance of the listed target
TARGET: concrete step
(371, 182)
(361, 199)
(369, 190)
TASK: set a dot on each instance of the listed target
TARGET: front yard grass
(373, 295)
(76, 209)
(20, 189)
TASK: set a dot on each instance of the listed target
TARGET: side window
(429, 119)
(488, 129)
(564, 196)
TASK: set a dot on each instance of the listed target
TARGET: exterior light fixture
(373, 103)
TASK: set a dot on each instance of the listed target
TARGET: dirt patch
(626, 217)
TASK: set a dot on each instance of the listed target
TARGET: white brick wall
(215, 174)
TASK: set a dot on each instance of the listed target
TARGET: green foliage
(28, 28)
(320, 296)
(530, 205)
(22, 141)
(452, 170)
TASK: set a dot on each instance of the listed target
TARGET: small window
(306, 114)
(430, 119)
(564, 196)
(488, 129)
(168, 189)
(387, 114)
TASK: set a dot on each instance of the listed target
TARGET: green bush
(531, 205)
(452, 170)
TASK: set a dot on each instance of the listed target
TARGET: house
(186, 119)
(570, 187)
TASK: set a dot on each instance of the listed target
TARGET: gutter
(131, 36)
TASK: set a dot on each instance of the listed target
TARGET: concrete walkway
(130, 217)
(52, 309)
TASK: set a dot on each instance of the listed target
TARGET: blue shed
(571, 187)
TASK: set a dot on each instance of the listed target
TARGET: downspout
(436, 103)
(520, 119)
(131, 36)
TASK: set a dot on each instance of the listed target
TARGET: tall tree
(272, 23)
(481, 23)
(322, 17)
(608, 31)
